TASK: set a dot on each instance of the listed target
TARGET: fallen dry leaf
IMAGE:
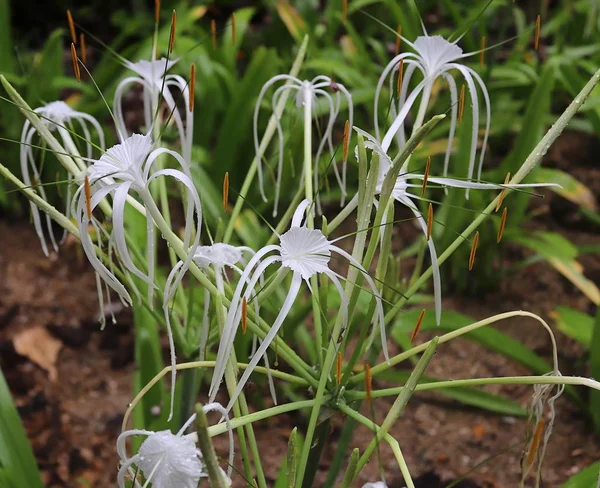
(39, 346)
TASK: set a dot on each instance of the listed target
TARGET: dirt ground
(74, 418)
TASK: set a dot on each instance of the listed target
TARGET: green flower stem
(453, 335)
(260, 415)
(393, 443)
(203, 364)
(363, 220)
(505, 380)
(352, 289)
(399, 404)
(530, 163)
(240, 407)
(269, 133)
(209, 456)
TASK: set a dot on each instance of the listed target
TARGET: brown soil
(73, 422)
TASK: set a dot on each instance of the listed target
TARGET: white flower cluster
(123, 176)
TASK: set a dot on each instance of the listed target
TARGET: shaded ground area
(73, 420)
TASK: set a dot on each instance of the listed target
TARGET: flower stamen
(461, 104)
(75, 62)
(83, 48)
(344, 11)
(400, 77)
(426, 175)
(225, 191)
(156, 11)
(429, 221)
(473, 250)
(346, 140)
(173, 29)
(398, 39)
(88, 197)
(502, 225)
(72, 27)
(192, 86)
(417, 326)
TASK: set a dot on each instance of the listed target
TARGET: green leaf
(572, 189)
(16, 455)
(282, 478)
(584, 479)
(488, 337)
(575, 324)
(532, 129)
(560, 254)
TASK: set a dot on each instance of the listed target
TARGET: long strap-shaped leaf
(16, 456)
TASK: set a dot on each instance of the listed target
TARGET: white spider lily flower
(435, 57)
(127, 168)
(401, 194)
(170, 460)
(376, 484)
(218, 256)
(306, 252)
(305, 91)
(57, 117)
(152, 77)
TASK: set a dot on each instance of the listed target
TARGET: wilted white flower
(401, 194)
(57, 117)
(306, 252)
(169, 460)
(153, 78)
(218, 256)
(306, 94)
(123, 169)
(435, 57)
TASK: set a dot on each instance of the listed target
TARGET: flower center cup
(218, 255)
(305, 251)
(176, 457)
(436, 51)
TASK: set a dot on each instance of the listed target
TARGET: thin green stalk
(352, 279)
(453, 335)
(269, 133)
(260, 415)
(399, 404)
(393, 443)
(529, 164)
(209, 456)
(240, 407)
(202, 364)
(505, 380)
